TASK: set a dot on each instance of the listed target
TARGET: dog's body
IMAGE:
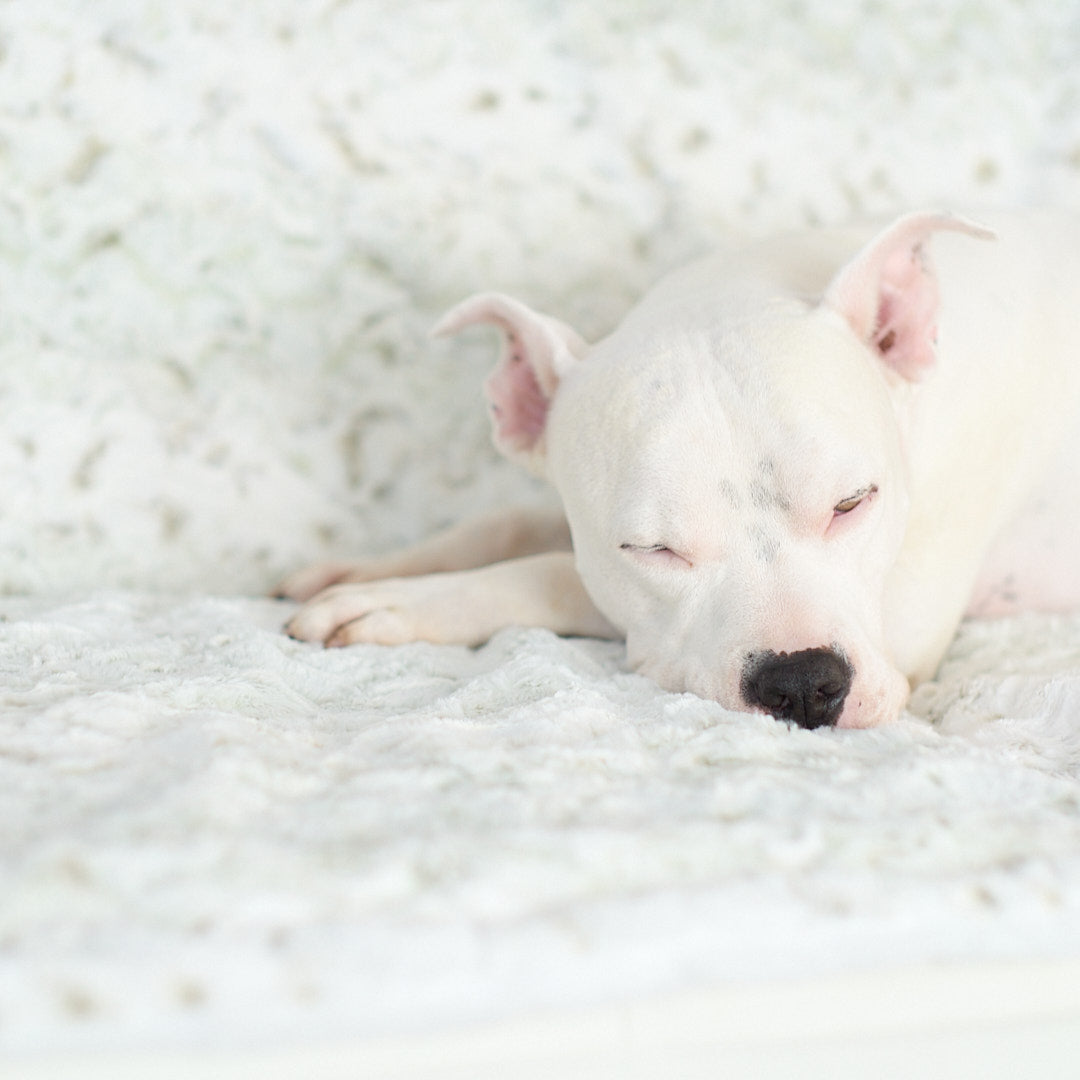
(777, 492)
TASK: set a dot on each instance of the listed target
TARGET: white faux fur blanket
(214, 835)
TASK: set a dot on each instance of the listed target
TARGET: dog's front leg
(488, 538)
(462, 607)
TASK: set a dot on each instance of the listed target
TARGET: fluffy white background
(225, 228)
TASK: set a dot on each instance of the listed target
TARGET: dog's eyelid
(661, 550)
(845, 506)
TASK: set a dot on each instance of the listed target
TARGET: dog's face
(731, 464)
(737, 503)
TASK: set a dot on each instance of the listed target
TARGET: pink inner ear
(518, 405)
(905, 329)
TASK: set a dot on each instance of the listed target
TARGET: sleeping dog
(786, 476)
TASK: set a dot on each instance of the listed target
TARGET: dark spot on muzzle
(807, 688)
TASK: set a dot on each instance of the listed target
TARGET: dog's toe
(381, 627)
(310, 581)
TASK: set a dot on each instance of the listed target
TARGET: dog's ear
(888, 292)
(537, 351)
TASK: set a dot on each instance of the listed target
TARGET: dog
(786, 476)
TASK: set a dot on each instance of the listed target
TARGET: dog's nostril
(806, 688)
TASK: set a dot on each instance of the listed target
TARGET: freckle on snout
(765, 544)
(730, 494)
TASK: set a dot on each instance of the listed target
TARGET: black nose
(806, 688)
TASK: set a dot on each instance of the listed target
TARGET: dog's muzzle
(806, 688)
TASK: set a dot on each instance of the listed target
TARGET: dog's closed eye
(658, 554)
(845, 506)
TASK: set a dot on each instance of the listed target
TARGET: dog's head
(731, 461)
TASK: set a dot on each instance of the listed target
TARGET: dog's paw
(391, 612)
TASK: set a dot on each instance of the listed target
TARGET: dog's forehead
(711, 480)
(760, 419)
(786, 351)
(763, 397)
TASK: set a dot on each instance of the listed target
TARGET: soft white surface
(214, 833)
(224, 231)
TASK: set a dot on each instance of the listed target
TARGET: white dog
(787, 474)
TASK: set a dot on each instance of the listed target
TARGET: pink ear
(537, 352)
(888, 292)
